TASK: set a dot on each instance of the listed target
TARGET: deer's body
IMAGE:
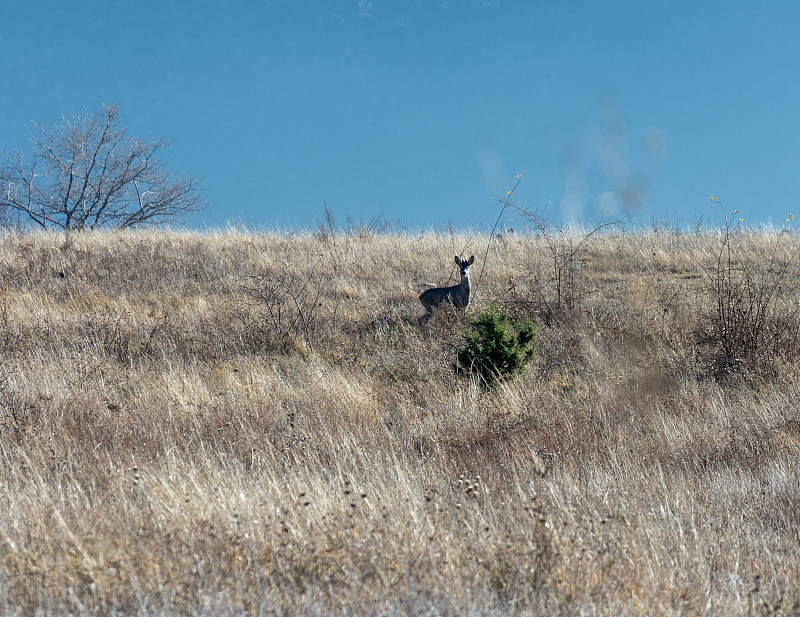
(457, 295)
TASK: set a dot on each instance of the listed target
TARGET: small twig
(506, 202)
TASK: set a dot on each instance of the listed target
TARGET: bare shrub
(291, 303)
(750, 326)
(18, 411)
(567, 286)
(118, 334)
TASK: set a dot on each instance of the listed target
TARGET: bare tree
(87, 173)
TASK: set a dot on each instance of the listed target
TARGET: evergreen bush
(497, 346)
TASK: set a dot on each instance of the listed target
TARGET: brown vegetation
(242, 423)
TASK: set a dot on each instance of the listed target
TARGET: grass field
(238, 423)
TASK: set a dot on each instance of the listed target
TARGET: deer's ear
(458, 261)
(471, 260)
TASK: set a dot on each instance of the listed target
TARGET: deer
(457, 295)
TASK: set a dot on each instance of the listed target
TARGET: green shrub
(497, 346)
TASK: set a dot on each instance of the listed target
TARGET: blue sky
(424, 112)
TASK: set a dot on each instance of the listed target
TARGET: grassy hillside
(244, 423)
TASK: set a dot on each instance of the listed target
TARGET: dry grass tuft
(231, 423)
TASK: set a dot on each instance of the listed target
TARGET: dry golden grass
(240, 423)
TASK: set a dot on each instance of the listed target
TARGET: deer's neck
(465, 284)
